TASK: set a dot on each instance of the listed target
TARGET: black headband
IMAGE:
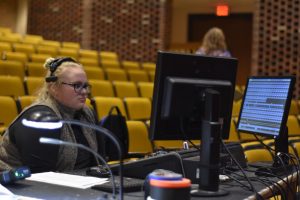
(53, 65)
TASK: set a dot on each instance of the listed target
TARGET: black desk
(48, 191)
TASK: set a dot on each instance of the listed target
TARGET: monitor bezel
(286, 109)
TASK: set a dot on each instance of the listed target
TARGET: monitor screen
(266, 105)
(187, 66)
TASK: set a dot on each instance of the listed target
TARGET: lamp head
(43, 119)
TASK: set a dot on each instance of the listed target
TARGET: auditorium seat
(86, 53)
(71, 45)
(148, 66)
(151, 75)
(51, 43)
(107, 64)
(137, 75)
(24, 101)
(293, 126)
(43, 49)
(108, 55)
(104, 104)
(145, 89)
(28, 49)
(38, 57)
(12, 68)
(16, 56)
(5, 46)
(33, 84)
(167, 144)
(11, 86)
(89, 61)
(116, 75)
(9, 111)
(138, 108)
(32, 39)
(294, 109)
(36, 69)
(12, 37)
(102, 88)
(94, 73)
(258, 155)
(66, 52)
(127, 65)
(139, 142)
(125, 89)
(236, 107)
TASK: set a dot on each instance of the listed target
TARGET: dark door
(238, 32)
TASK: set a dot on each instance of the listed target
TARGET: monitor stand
(280, 164)
(210, 148)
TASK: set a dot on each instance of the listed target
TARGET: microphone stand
(107, 133)
(52, 141)
(52, 122)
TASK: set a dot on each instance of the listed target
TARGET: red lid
(183, 183)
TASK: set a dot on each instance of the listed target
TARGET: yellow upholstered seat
(24, 48)
(12, 68)
(24, 101)
(102, 88)
(94, 73)
(9, 111)
(137, 75)
(138, 138)
(85, 53)
(138, 108)
(36, 69)
(125, 89)
(116, 75)
(50, 50)
(145, 89)
(33, 84)
(130, 65)
(110, 64)
(11, 86)
(104, 104)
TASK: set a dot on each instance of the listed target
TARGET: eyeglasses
(79, 86)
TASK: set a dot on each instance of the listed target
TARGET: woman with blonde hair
(214, 44)
(63, 95)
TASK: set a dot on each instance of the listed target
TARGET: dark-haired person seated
(64, 94)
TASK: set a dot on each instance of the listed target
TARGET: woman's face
(71, 90)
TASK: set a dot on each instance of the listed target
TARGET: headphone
(53, 65)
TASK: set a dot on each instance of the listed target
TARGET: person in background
(214, 44)
(63, 94)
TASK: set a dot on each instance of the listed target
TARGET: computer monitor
(188, 66)
(265, 108)
(192, 99)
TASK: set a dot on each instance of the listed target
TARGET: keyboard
(129, 185)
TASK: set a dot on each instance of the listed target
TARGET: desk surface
(48, 191)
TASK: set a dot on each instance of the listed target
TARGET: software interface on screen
(264, 105)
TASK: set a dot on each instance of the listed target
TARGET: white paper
(69, 180)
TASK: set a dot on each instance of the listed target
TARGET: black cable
(275, 176)
(267, 185)
(242, 170)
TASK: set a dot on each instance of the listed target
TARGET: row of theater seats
(16, 68)
(14, 86)
(33, 48)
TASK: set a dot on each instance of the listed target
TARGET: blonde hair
(214, 40)
(43, 92)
